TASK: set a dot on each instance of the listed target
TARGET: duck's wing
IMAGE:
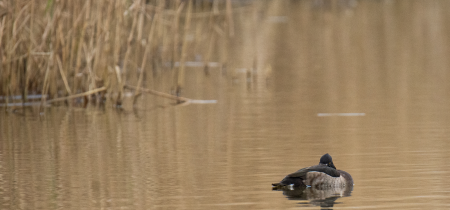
(319, 168)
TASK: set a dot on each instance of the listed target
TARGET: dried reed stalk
(80, 44)
(46, 83)
(63, 76)
(229, 11)
(68, 47)
(211, 42)
(146, 55)
(127, 55)
(184, 47)
(118, 37)
(176, 22)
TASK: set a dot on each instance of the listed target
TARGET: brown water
(385, 59)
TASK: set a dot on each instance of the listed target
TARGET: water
(365, 81)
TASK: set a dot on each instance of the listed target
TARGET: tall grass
(68, 49)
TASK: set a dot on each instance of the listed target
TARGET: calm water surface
(290, 63)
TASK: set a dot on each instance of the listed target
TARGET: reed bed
(89, 49)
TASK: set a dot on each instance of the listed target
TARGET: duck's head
(327, 160)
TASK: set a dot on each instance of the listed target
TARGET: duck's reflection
(323, 197)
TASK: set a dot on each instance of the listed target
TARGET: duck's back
(301, 176)
(317, 168)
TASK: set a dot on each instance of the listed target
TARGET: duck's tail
(277, 184)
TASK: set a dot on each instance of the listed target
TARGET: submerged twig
(157, 93)
(180, 99)
(78, 95)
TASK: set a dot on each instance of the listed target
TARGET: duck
(323, 175)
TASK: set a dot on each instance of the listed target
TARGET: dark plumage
(323, 175)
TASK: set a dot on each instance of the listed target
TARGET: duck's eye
(329, 163)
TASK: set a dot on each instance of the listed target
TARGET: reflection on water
(386, 59)
(325, 198)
